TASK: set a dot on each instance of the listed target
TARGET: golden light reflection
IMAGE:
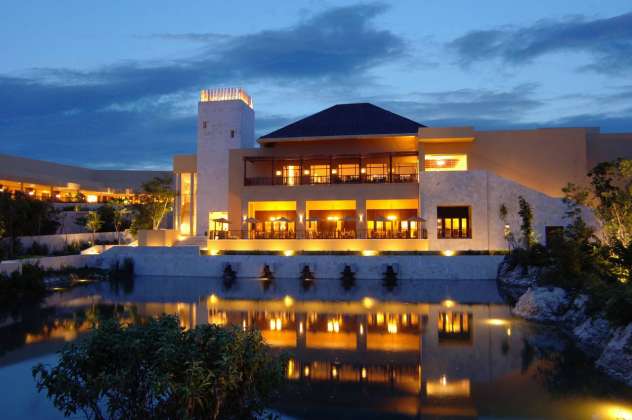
(367, 302)
(442, 388)
(497, 321)
(448, 303)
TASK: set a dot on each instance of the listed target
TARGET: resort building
(361, 178)
(70, 184)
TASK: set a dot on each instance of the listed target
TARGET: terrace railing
(308, 235)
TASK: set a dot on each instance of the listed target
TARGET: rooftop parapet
(225, 94)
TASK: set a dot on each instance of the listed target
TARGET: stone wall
(484, 193)
(186, 261)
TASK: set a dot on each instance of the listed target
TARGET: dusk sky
(115, 84)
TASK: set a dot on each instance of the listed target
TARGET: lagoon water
(431, 349)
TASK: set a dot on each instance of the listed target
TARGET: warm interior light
(441, 162)
(31, 192)
(391, 328)
(447, 253)
(391, 217)
(369, 253)
(333, 218)
(92, 198)
(214, 252)
(288, 252)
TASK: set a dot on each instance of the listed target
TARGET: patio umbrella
(221, 220)
(415, 219)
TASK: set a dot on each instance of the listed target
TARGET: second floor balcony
(399, 167)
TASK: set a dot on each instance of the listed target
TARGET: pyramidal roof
(347, 120)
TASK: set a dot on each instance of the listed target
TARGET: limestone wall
(484, 193)
(186, 261)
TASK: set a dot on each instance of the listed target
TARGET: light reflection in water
(417, 359)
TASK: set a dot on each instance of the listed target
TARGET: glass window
(319, 174)
(291, 174)
(453, 223)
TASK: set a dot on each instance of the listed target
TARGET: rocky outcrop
(576, 313)
(616, 358)
(542, 304)
(514, 281)
(592, 335)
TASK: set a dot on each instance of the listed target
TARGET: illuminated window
(349, 172)
(453, 223)
(376, 172)
(291, 174)
(319, 174)
(435, 163)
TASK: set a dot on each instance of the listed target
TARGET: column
(301, 214)
(361, 219)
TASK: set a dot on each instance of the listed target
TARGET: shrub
(347, 278)
(389, 279)
(157, 370)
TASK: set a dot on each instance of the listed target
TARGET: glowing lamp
(278, 173)
(447, 253)
(334, 171)
(92, 198)
(306, 172)
(448, 303)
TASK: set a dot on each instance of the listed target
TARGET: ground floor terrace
(68, 193)
(323, 219)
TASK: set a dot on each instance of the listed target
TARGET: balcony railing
(333, 179)
(340, 234)
(454, 234)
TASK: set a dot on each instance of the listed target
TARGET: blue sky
(114, 84)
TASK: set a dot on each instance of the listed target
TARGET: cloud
(607, 41)
(468, 105)
(56, 106)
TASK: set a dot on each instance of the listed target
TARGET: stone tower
(226, 120)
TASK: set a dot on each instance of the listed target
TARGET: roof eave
(270, 140)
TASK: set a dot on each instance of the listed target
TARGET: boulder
(616, 359)
(513, 282)
(576, 313)
(542, 304)
(592, 335)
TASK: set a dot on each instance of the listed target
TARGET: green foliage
(22, 215)
(156, 202)
(526, 223)
(157, 370)
(20, 287)
(610, 197)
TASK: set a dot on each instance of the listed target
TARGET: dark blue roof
(348, 120)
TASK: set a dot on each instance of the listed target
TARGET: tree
(609, 195)
(23, 215)
(526, 223)
(157, 199)
(93, 224)
(158, 370)
(114, 215)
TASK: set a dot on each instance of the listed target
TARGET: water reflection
(358, 358)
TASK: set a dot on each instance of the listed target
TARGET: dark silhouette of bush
(307, 277)
(389, 278)
(229, 276)
(347, 278)
(266, 277)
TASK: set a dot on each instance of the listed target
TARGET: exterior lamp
(306, 172)
(363, 170)
(278, 173)
(391, 217)
(334, 171)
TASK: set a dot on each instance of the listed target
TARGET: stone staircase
(199, 241)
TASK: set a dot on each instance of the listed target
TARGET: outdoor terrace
(377, 168)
